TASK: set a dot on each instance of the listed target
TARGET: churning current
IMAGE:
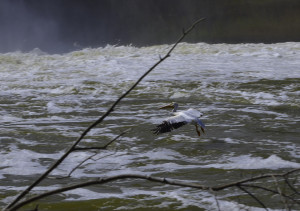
(249, 95)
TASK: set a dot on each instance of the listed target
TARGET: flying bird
(179, 119)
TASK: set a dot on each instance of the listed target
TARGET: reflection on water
(249, 94)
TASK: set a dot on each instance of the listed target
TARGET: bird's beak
(167, 106)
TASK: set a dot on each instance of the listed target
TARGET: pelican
(179, 119)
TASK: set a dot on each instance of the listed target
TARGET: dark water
(249, 94)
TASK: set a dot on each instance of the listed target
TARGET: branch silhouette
(98, 121)
(253, 196)
(94, 154)
(173, 182)
(273, 191)
(244, 184)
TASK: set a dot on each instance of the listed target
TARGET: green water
(249, 94)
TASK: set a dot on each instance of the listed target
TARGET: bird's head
(172, 105)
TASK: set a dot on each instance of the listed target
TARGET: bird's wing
(170, 124)
(192, 113)
(179, 117)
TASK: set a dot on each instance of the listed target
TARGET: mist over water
(65, 25)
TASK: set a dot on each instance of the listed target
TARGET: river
(249, 95)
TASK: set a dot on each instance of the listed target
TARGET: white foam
(39, 88)
(162, 154)
(23, 162)
(8, 118)
(183, 196)
(250, 162)
(231, 141)
(180, 95)
(53, 108)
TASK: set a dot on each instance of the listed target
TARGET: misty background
(57, 26)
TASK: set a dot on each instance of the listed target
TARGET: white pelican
(179, 119)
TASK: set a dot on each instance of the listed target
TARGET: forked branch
(73, 147)
(99, 181)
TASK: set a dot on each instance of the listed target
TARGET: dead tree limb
(94, 154)
(102, 147)
(255, 178)
(253, 196)
(290, 185)
(71, 149)
(272, 191)
(216, 199)
(159, 180)
(283, 199)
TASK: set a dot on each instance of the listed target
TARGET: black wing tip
(161, 128)
(166, 126)
(155, 131)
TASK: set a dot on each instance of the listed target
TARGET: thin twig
(71, 149)
(82, 162)
(106, 180)
(272, 191)
(88, 158)
(253, 196)
(102, 147)
(289, 184)
(93, 155)
(280, 193)
(254, 178)
(153, 179)
(216, 199)
(76, 167)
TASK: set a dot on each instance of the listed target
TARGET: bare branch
(93, 155)
(106, 180)
(102, 147)
(76, 167)
(155, 179)
(253, 196)
(82, 162)
(216, 199)
(71, 149)
(254, 178)
(272, 191)
(260, 187)
(290, 186)
(280, 193)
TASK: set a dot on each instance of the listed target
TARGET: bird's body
(179, 119)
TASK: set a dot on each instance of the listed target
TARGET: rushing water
(249, 94)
